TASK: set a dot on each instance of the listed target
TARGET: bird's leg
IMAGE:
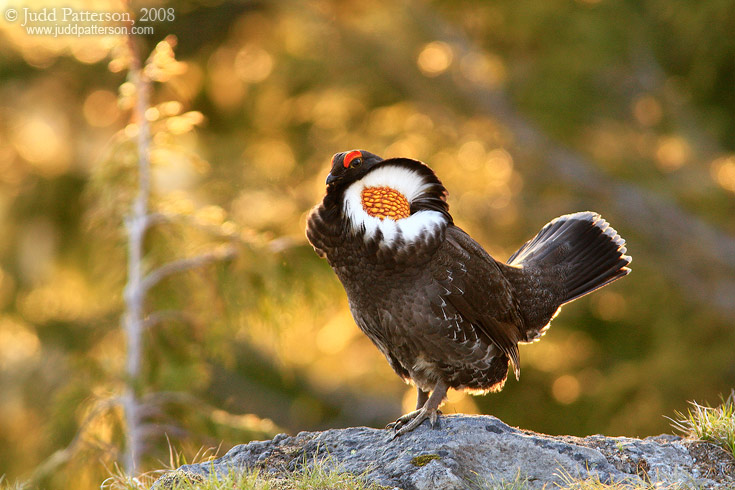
(421, 397)
(429, 410)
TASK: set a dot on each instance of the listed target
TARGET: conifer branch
(181, 265)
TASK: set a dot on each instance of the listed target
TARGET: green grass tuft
(6, 485)
(716, 425)
(319, 475)
(520, 483)
(596, 484)
(593, 482)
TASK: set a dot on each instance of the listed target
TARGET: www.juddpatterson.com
(82, 30)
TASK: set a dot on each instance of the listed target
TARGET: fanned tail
(585, 251)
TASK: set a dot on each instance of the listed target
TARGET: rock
(476, 451)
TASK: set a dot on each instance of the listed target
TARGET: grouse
(442, 311)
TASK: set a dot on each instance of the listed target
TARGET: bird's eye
(352, 159)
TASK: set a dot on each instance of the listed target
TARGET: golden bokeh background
(526, 110)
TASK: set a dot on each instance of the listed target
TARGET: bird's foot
(407, 423)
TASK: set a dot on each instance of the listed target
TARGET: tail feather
(616, 269)
(581, 252)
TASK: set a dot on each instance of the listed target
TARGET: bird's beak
(331, 178)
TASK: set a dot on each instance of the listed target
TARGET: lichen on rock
(424, 459)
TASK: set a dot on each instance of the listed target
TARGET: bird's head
(351, 166)
(393, 200)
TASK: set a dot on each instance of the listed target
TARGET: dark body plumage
(437, 305)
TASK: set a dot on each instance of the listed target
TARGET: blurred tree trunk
(136, 224)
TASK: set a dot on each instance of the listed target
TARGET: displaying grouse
(444, 312)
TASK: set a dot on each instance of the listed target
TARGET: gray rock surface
(475, 452)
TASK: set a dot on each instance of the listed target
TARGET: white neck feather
(409, 183)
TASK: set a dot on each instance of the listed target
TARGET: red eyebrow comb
(351, 156)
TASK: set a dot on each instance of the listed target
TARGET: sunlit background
(526, 110)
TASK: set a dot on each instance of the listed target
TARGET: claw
(434, 418)
(410, 421)
(416, 419)
(403, 419)
(401, 422)
(430, 410)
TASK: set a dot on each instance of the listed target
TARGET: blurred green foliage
(638, 93)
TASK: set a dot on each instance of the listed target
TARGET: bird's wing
(324, 229)
(471, 282)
